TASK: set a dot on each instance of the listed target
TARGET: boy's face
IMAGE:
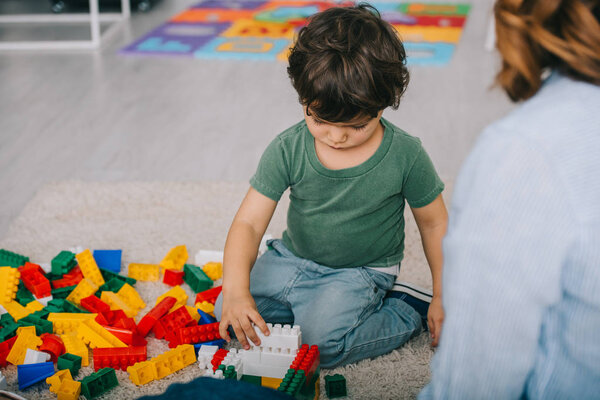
(343, 135)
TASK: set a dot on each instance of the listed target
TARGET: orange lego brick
(9, 284)
(144, 272)
(175, 258)
(89, 268)
(85, 288)
(26, 339)
(93, 334)
(142, 372)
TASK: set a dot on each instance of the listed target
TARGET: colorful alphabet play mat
(264, 30)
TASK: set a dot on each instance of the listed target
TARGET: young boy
(349, 172)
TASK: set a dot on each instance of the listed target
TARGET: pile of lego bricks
(54, 314)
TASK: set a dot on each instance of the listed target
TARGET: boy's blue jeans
(343, 311)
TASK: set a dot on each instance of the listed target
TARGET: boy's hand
(435, 319)
(240, 311)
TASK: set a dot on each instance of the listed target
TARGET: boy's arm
(241, 249)
(432, 221)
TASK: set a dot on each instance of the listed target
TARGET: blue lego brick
(205, 318)
(109, 259)
(29, 374)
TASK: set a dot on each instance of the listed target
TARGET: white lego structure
(271, 359)
(2, 381)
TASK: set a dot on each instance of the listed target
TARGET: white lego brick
(218, 374)
(278, 356)
(76, 249)
(47, 267)
(252, 355)
(283, 337)
(35, 357)
(2, 310)
(2, 381)
(207, 349)
(269, 371)
(205, 256)
(45, 300)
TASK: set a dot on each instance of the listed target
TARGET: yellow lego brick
(85, 288)
(207, 307)
(176, 292)
(68, 322)
(16, 310)
(131, 297)
(26, 339)
(94, 334)
(174, 360)
(76, 346)
(89, 268)
(214, 270)
(9, 284)
(34, 306)
(270, 382)
(175, 258)
(142, 372)
(193, 313)
(116, 303)
(57, 379)
(69, 390)
(144, 272)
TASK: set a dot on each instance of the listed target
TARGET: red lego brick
(209, 295)
(161, 309)
(52, 345)
(307, 360)
(118, 357)
(94, 304)
(126, 323)
(35, 280)
(218, 358)
(166, 327)
(70, 279)
(101, 319)
(5, 348)
(173, 277)
(197, 334)
(113, 316)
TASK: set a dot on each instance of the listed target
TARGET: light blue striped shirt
(521, 283)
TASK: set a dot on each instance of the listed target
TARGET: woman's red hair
(536, 34)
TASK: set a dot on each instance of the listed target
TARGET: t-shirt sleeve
(272, 177)
(422, 184)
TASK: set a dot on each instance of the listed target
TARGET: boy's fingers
(241, 336)
(250, 332)
(260, 322)
(223, 331)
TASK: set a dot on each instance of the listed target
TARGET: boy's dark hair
(348, 62)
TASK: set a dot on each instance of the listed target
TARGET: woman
(522, 254)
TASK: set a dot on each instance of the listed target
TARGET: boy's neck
(336, 159)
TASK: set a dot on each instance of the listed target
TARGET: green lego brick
(8, 330)
(310, 388)
(63, 263)
(42, 314)
(109, 275)
(10, 259)
(69, 361)
(99, 383)
(24, 296)
(292, 382)
(114, 285)
(335, 386)
(196, 278)
(41, 325)
(6, 319)
(252, 379)
(62, 293)
(230, 372)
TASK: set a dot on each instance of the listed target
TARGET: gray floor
(108, 117)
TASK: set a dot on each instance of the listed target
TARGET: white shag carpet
(145, 220)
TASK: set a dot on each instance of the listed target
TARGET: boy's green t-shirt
(351, 217)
